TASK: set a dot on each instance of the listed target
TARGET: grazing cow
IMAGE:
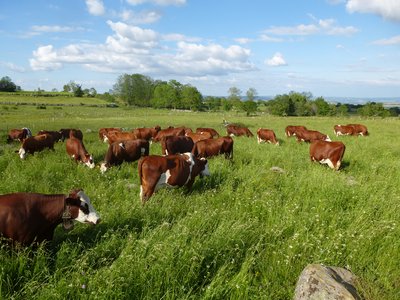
(343, 130)
(169, 132)
(78, 152)
(104, 131)
(198, 136)
(311, 135)
(213, 132)
(57, 136)
(176, 144)
(66, 133)
(146, 133)
(117, 136)
(234, 130)
(330, 153)
(266, 135)
(128, 151)
(35, 143)
(31, 217)
(18, 134)
(213, 147)
(171, 170)
(291, 130)
(359, 129)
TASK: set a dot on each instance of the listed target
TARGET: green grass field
(245, 232)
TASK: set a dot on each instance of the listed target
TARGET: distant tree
(6, 85)
(372, 109)
(234, 97)
(321, 107)
(342, 109)
(164, 95)
(281, 105)
(135, 89)
(67, 88)
(191, 97)
(249, 107)
(78, 92)
(54, 90)
(212, 103)
(251, 94)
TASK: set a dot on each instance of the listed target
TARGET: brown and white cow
(266, 135)
(311, 135)
(146, 133)
(177, 131)
(57, 136)
(78, 152)
(128, 151)
(213, 132)
(330, 153)
(198, 136)
(234, 130)
(176, 144)
(31, 217)
(66, 133)
(291, 130)
(18, 134)
(119, 136)
(359, 129)
(178, 170)
(213, 147)
(104, 131)
(35, 143)
(343, 130)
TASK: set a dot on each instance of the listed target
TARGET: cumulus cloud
(388, 9)
(95, 7)
(276, 61)
(142, 17)
(157, 2)
(395, 40)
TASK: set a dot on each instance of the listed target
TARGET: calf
(36, 143)
(330, 153)
(128, 151)
(30, 217)
(212, 131)
(18, 134)
(234, 130)
(176, 144)
(78, 152)
(291, 130)
(343, 130)
(266, 135)
(171, 170)
(311, 135)
(213, 147)
(359, 129)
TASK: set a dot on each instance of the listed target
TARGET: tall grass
(245, 232)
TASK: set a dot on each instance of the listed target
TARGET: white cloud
(54, 28)
(143, 17)
(395, 40)
(12, 67)
(267, 38)
(157, 2)
(388, 9)
(95, 7)
(276, 61)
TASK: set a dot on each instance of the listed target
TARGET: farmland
(245, 232)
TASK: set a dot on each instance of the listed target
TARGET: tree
(6, 85)
(249, 107)
(135, 89)
(234, 97)
(251, 94)
(191, 97)
(321, 107)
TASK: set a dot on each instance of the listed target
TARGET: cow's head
(88, 160)
(328, 139)
(203, 163)
(103, 167)
(22, 153)
(78, 207)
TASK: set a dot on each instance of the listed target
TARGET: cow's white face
(90, 162)
(206, 171)
(22, 153)
(328, 139)
(88, 215)
(103, 168)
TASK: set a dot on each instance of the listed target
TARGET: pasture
(245, 232)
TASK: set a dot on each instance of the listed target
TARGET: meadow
(245, 232)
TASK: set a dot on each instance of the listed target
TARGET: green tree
(135, 89)
(249, 107)
(78, 92)
(372, 109)
(164, 95)
(234, 97)
(191, 97)
(251, 94)
(6, 85)
(321, 107)
(281, 105)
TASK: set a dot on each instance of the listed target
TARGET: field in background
(245, 232)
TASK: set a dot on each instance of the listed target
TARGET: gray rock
(326, 283)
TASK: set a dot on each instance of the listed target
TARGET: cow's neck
(53, 207)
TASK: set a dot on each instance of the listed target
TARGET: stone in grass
(277, 170)
(325, 283)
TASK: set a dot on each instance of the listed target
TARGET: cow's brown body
(31, 217)
(359, 129)
(56, 135)
(171, 170)
(104, 131)
(213, 147)
(36, 143)
(266, 135)
(234, 130)
(18, 134)
(67, 132)
(177, 131)
(76, 150)
(311, 135)
(343, 130)
(125, 151)
(146, 133)
(330, 153)
(198, 136)
(212, 131)
(117, 136)
(176, 144)
(292, 130)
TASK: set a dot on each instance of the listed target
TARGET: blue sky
(343, 48)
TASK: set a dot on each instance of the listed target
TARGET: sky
(330, 48)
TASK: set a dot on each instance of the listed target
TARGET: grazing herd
(32, 217)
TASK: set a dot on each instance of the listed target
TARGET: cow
(177, 170)
(104, 131)
(146, 133)
(35, 143)
(77, 151)
(213, 132)
(359, 129)
(198, 136)
(213, 147)
(66, 133)
(343, 130)
(234, 130)
(266, 135)
(311, 135)
(177, 131)
(128, 151)
(27, 218)
(119, 136)
(291, 130)
(330, 153)
(57, 136)
(18, 134)
(176, 144)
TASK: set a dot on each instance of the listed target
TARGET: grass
(245, 232)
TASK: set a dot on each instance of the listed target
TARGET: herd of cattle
(28, 217)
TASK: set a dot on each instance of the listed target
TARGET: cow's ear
(74, 193)
(73, 201)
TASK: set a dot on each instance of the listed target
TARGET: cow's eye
(85, 208)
